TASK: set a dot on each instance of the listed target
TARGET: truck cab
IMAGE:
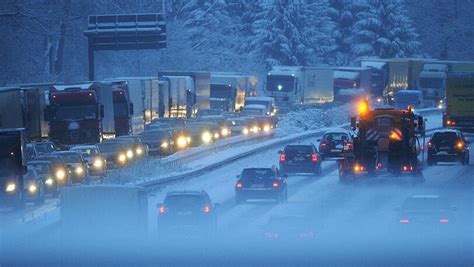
(432, 82)
(406, 98)
(267, 102)
(12, 167)
(283, 83)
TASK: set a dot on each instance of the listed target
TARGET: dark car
(33, 189)
(45, 171)
(78, 168)
(300, 159)
(202, 132)
(334, 144)
(44, 148)
(139, 147)
(448, 146)
(426, 210)
(115, 154)
(128, 146)
(61, 172)
(260, 183)
(96, 162)
(186, 209)
(159, 142)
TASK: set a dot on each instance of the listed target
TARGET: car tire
(285, 196)
(431, 162)
(319, 171)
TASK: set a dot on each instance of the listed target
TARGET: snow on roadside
(314, 118)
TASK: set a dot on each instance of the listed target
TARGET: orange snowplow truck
(387, 142)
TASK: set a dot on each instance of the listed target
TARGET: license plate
(258, 186)
(445, 148)
(299, 158)
(336, 150)
(184, 213)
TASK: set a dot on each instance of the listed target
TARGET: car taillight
(238, 185)
(359, 168)
(407, 168)
(348, 146)
(404, 221)
(275, 184)
(378, 166)
(451, 122)
(162, 209)
(459, 145)
(206, 209)
(430, 145)
(444, 221)
(282, 157)
(314, 157)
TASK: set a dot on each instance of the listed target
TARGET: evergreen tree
(292, 32)
(384, 30)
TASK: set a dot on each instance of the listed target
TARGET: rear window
(110, 147)
(335, 137)
(446, 136)
(41, 168)
(184, 201)
(87, 151)
(257, 173)
(44, 147)
(153, 136)
(71, 158)
(425, 204)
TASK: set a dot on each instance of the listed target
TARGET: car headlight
(98, 163)
(182, 142)
(60, 174)
(255, 129)
(266, 128)
(49, 181)
(165, 144)
(206, 137)
(122, 158)
(139, 151)
(11, 187)
(225, 132)
(129, 154)
(216, 135)
(188, 139)
(79, 170)
(32, 188)
(245, 131)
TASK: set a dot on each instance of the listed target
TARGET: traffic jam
(261, 171)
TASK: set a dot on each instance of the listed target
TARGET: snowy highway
(352, 217)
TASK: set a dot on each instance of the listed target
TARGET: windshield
(121, 109)
(7, 166)
(71, 158)
(88, 152)
(253, 112)
(431, 82)
(45, 148)
(257, 173)
(221, 91)
(64, 113)
(420, 204)
(109, 147)
(41, 168)
(280, 83)
(183, 201)
(155, 136)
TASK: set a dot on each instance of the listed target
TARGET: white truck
(290, 86)
(267, 102)
(228, 90)
(432, 82)
(182, 97)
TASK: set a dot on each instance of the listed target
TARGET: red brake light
(206, 209)
(162, 209)
(323, 144)
(404, 221)
(348, 146)
(314, 157)
(275, 184)
(282, 157)
(444, 221)
(430, 145)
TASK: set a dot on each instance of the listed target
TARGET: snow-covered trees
(384, 30)
(292, 32)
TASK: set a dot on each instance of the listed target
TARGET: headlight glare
(11, 187)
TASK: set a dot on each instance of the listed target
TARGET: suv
(46, 172)
(300, 159)
(76, 164)
(335, 143)
(448, 145)
(96, 162)
(186, 209)
(139, 147)
(260, 183)
(61, 172)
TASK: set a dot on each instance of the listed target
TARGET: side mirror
(353, 122)
(238, 176)
(280, 152)
(46, 114)
(101, 112)
(319, 140)
(69, 166)
(131, 109)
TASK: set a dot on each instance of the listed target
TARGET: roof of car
(84, 147)
(67, 152)
(424, 196)
(38, 162)
(185, 192)
(337, 130)
(446, 131)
